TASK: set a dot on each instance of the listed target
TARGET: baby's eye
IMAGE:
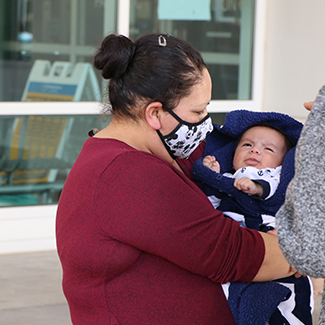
(247, 145)
(269, 149)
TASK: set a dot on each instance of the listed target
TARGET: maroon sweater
(140, 243)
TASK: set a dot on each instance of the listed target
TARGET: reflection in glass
(224, 37)
(51, 30)
(37, 153)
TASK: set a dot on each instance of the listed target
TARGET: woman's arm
(274, 265)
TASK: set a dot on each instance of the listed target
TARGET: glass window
(37, 152)
(222, 30)
(68, 31)
(37, 34)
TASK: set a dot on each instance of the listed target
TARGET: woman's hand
(297, 274)
(318, 286)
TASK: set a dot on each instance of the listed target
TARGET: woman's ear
(153, 114)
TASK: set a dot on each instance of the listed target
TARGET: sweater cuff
(266, 188)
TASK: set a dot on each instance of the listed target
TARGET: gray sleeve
(301, 220)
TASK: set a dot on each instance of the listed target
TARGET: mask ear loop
(162, 41)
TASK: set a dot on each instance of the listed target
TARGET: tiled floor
(30, 290)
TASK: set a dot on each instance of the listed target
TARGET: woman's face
(192, 108)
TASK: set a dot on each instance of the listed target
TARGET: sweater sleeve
(158, 210)
(300, 221)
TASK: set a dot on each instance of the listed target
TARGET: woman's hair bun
(114, 56)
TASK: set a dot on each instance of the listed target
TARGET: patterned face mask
(186, 137)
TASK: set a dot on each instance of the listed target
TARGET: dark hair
(146, 70)
(288, 141)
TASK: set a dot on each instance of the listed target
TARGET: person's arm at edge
(300, 235)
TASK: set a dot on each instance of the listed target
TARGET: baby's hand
(210, 162)
(248, 186)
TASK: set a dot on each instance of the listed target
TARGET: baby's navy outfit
(284, 301)
(268, 178)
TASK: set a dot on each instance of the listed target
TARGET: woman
(138, 241)
(301, 218)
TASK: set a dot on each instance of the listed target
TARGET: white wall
(294, 54)
(25, 229)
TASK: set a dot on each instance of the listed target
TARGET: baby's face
(260, 147)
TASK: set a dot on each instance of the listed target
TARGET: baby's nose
(255, 149)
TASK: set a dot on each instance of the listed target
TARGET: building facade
(263, 55)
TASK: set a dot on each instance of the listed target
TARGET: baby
(257, 161)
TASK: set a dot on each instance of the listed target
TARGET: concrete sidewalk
(30, 290)
(31, 294)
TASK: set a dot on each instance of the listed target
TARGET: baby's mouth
(251, 162)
